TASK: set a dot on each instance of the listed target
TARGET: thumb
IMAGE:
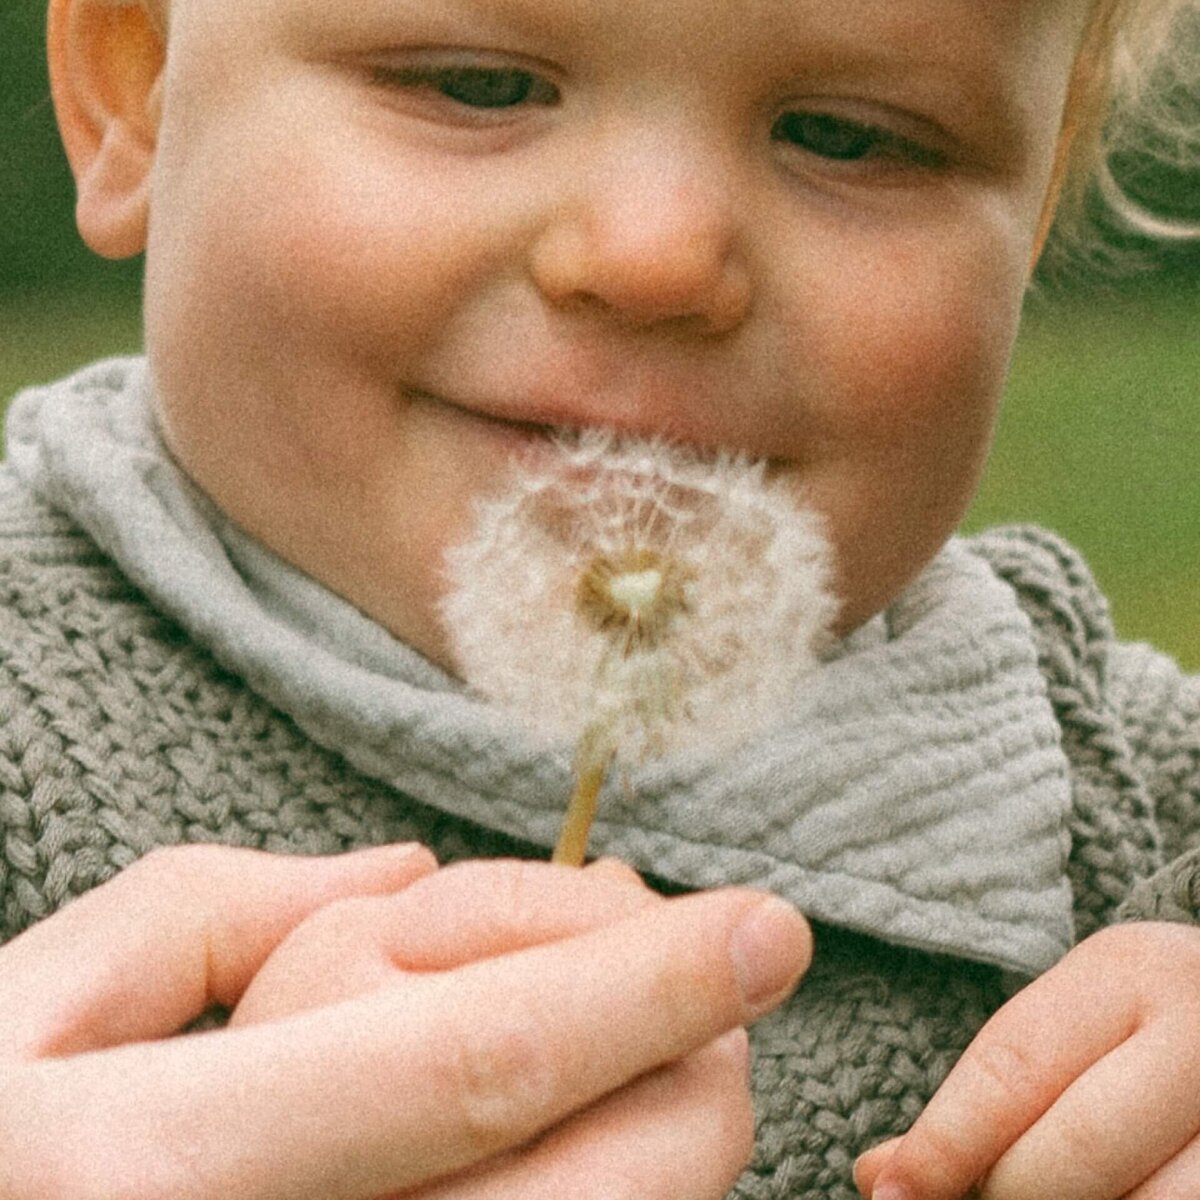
(179, 931)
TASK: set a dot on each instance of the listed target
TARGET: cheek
(915, 343)
(289, 290)
(907, 351)
(326, 240)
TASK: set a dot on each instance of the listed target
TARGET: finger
(1025, 1057)
(1116, 1124)
(684, 1132)
(1174, 1181)
(460, 914)
(869, 1164)
(409, 1084)
(479, 909)
(177, 932)
(614, 868)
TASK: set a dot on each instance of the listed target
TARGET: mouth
(540, 425)
(517, 431)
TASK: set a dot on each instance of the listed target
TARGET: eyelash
(484, 89)
(500, 89)
(842, 140)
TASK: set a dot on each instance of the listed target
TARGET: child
(387, 245)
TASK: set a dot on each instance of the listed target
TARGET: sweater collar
(916, 791)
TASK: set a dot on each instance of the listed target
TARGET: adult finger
(180, 930)
(408, 1084)
(615, 868)
(479, 909)
(464, 912)
(1020, 1062)
(1116, 1124)
(684, 1132)
(1175, 1180)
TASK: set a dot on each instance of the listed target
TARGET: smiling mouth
(530, 429)
(549, 422)
(526, 430)
(530, 434)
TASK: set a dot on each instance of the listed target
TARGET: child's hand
(695, 1111)
(389, 1089)
(1085, 1086)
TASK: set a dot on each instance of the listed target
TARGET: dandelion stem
(590, 769)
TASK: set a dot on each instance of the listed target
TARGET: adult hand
(136, 961)
(382, 1091)
(1085, 1086)
(683, 1131)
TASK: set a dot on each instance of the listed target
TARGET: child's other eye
(472, 87)
(842, 140)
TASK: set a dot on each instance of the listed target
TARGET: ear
(106, 59)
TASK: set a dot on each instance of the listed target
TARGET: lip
(525, 430)
(540, 422)
(514, 436)
(534, 421)
(533, 431)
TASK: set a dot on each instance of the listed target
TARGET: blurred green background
(1099, 439)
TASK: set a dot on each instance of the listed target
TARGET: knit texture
(118, 735)
(1172, 894)
(912, 788)
(119, 732)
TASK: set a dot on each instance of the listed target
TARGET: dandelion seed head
(672, 598)
(635, 597)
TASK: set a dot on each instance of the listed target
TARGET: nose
(647, 236)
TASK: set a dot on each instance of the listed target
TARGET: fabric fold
(914, 790)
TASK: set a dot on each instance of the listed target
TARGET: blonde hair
(1134, 99)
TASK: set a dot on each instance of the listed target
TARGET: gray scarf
(916, 790)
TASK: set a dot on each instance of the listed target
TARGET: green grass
(1099, 438)
(43, 337)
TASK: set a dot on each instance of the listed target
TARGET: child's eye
(842, 140)
(473, 87)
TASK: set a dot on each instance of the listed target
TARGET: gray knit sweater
(980, 779)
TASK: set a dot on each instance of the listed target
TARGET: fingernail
(769, 948)
(891, 1191)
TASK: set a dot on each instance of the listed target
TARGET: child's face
(383, 232)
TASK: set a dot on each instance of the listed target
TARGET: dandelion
(637, 599)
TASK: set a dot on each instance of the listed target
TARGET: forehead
(725, 26)
(1005, 60)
